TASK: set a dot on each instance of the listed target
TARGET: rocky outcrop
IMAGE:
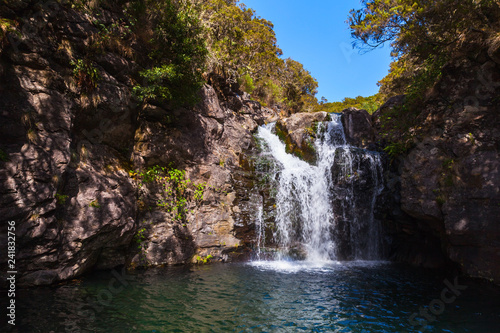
(208, 142)
(70, 156)
(298, 132)
(358, 128)
(71, 198)
(449, 179)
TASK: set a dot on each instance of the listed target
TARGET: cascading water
(323, 211)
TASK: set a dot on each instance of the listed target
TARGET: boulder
(358, 128)
(298, 132)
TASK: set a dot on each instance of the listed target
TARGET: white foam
(288, 266)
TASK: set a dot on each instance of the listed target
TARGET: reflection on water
(256, 297)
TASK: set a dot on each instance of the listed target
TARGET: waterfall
(323, 211)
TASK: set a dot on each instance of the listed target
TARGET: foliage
(370, 104)
(203, 260)
(4, 157)
(114, 37)
(243, 48)
(61, 198)
(239, 42)
(299, 87)
(189, 41)
(448, 163)
(395, 149)
(178, 191)
(173, 32)
(172, 36)
(6, 26)
(140, 237)
(94, 203)
(471, 138)
(246, 83)
(85, 74)
(423, 36)
(398, 129)
(198, 193)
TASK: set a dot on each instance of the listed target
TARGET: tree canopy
(370, 104)
(174, 35)
(243, 48)
(423, 34)
(190, 41)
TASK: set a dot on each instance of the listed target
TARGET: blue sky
(315, 34)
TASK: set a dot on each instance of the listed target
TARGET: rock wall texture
(446, 188)
(68, 158)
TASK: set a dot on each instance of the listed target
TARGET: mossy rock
(301, 144)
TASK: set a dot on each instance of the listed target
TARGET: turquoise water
(258, 297)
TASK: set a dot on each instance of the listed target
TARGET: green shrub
(246, 83)
(178, 51)
(396, 149)
(94, 203)
(203, 260)
(61, 198)
(4, 157)
(85, 74)
(178, 191)
(198, 193)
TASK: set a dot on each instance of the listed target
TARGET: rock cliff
(73, 160)
(446, 187)
(441, 201)
(70, 158)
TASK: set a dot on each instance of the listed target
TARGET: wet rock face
(67, 159)
(449, 180)
(298, 132)
(354, 196)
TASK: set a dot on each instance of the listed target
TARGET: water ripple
(258, 297)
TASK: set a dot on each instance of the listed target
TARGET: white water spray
(312, 200)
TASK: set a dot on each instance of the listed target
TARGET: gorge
(236, 205)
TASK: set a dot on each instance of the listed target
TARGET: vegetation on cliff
(243, 49)
(180, 44)
(424, 36)
(370, 104)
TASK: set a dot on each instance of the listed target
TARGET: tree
(178, 54)
(423, 34)
(243, 48)
(300, 87)
(370, 104)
